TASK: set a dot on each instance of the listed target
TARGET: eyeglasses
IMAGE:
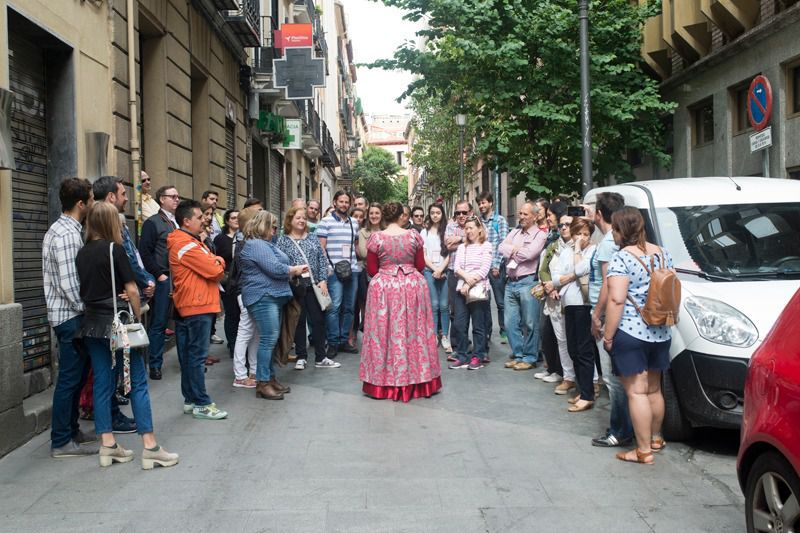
(419, 216)
(173, 196)
(462, 213)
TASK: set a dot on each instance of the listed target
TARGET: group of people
(407, 281)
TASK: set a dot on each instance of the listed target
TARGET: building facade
(707, 53)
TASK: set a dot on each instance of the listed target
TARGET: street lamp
(461, 120)
(586, 124)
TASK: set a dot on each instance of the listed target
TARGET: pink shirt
(474, 259)
(526, 260)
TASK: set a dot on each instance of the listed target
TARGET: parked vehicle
(769, 454)
(736, 246)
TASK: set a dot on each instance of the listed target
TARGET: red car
(769, 454)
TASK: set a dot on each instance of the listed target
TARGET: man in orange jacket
(195, 276)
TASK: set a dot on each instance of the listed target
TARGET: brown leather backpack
(663, 295)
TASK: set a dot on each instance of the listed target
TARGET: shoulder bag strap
(310, 269)
(113, 281)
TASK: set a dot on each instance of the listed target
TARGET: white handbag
(476, 293)
(324, 299)
(135, 334)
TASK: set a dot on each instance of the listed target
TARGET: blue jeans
(105, 382)
(266, 314)
(439, 304)
(158, 323)
(339, 316)
(522, 310)
(620, 423)
(499, 292)
(193, 335)
(464, 313)
(73, 369)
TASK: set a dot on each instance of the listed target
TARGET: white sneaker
(327, 363)
(541, 375)
(300, 364)
(446, 344)
(552, 378)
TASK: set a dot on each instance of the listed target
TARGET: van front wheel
(675, 427)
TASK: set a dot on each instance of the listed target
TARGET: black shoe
(123, 424)
(122, 400)
(155, 373)
(348, 348)
(610, 441)
(331, 352)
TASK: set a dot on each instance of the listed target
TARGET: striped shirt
(496, 233)
(60, 247)
(342, 236)
(453, 230)
(474, 259)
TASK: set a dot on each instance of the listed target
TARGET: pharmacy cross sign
(299, 72)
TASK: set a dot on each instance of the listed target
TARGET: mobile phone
(576, 211)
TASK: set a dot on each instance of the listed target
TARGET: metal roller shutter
(230, 164)
(29, 192)
(275, 182)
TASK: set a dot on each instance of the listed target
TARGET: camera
(576, 211)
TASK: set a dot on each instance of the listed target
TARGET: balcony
(732, 17)
(245, 23)
(312, 128)
(266, 51)
(304, 11)
(691, 36)
(225, 5)
(329, 157)
(654, 48)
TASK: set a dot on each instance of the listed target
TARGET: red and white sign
(294, 36)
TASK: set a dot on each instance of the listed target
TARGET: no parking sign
(759, 103)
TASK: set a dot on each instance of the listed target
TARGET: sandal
(657, 444)
(643, 458)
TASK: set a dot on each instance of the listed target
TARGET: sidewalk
(495, 451)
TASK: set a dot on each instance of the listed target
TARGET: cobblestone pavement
(496, 451)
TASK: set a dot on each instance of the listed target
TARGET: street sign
(293, 140)
(761, 140)
(759, 103)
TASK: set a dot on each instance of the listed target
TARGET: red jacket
(195, 274)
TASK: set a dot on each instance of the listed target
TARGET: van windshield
(734, 241)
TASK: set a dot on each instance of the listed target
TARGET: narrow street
(495, 451)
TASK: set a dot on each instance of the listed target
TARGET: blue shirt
(341, 235)
(624, 264)
(264, 271)
(143, 277)
(602, 254)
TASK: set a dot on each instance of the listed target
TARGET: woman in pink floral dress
(399, 354)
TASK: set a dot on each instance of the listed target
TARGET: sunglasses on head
(473, 218)
(461, 213)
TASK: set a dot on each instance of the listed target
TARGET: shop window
(703, 123)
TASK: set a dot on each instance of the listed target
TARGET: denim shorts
(631, 356)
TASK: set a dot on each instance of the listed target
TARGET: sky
(376, 31)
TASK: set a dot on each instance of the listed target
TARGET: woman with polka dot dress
(639, 353)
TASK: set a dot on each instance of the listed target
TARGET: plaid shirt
(496, 233)
(453, 230)
(61, 286)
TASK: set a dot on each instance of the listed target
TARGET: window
(703, 123)
(781, 5)
(793, 79)
(793, 173)
(738, 99)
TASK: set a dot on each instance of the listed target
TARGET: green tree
(436, 147)
(513, 67)
(375, 175)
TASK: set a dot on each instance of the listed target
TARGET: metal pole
(461, 164)
(765, 161)
(586, 124)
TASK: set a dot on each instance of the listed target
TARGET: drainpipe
(136, 163)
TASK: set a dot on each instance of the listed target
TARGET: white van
(736, 245)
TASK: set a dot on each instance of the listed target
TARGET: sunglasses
(462, 213)
(474, 219)
(145, 179)
(563, 225)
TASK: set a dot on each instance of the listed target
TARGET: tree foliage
(513, 67)
(436, 147)
(375, 175)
